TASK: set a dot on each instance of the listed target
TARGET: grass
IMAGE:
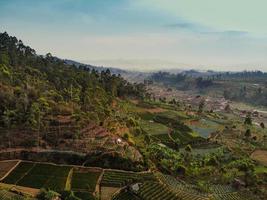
(260, 169)
(174, 115)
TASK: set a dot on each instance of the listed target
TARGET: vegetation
(124, 137)
(35, 89)
(248, 86)
(119, 178)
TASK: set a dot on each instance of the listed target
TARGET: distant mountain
(131, 76)
(97, 68)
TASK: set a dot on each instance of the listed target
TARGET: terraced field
(84, 180)
(6, 166)
(37, 175)
(184, 137)
(182, 190)
(126, 195)
(112, 178)
(153, 128)
(155, 191)
(18, 173)
(189, 192)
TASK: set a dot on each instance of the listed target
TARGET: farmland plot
(112, 178)
(153, 128)
(6, 166)
(85, 179)
(19, 172)
(37, 175)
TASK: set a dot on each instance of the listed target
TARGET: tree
(147, 139)
(227, 108)
(201, 106)
(8, 117)
(248, 133)
(248, 120)
(48, 195)
(180, 169)
(188, 148)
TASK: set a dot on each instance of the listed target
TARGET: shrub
(248, 120)
(248, 133)
(188, 148)
(47, 195)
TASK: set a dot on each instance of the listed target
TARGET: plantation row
(178, 186)
(83, 182)
(39, 175)
(120, 179)
(126, 195)
(188, 192)
(232, 196)
(155, 191)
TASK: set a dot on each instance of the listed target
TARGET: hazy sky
(147, 34)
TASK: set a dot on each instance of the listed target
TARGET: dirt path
(25, 190)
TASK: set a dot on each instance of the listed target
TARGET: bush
(248, 133)
(47, 195)
(126, 136)
(188, 148)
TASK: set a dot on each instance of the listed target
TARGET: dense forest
(35, 87)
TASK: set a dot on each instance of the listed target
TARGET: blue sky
(144, 34)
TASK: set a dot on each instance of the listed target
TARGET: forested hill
(33, 87)
(97, 68)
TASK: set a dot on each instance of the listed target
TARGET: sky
(144, 34)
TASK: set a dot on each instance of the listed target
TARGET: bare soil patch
(260, 156)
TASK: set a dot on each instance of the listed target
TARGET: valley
(72, 132)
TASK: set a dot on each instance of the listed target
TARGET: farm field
(38, 175)
(18, 173)
(113, 178)
(84, 180)
(156, 191)
(203, 127)
(6, 166)
(108, 192)
(153, 128)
